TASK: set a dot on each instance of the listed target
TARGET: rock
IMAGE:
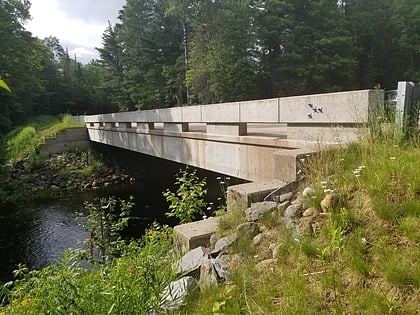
(276, 251)
(191, 261)
(223, 244)
(248, 229)
(258, 209)
(308, 192)
(284, 197)
(208, 275)
(257, 239)
(173, 295)
(211, 271)
(330, 202)
(213, 239)
(233, 260)
(305, 225)
(309, 212)
(222, 268)
(263, 265)
(292, 211)
(291, 225)
(282, 207)
(266, 253)
(298, 203)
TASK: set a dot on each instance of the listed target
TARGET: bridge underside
(258, 157)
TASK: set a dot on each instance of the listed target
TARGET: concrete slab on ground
(241, 196)
(194, 234)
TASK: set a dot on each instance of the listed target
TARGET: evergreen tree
(151, 43)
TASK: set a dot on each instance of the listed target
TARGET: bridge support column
(231, 129)
(178, 127)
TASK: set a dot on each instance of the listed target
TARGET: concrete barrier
(70, 138)
(255, 140)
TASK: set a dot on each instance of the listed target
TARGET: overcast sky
(78, 24)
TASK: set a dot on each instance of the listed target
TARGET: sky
(78, 24)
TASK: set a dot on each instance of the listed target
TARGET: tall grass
(25, 140)
(364, 258)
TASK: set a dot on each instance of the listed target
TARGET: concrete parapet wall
(70, 138)
(241, 139)
(336, 108)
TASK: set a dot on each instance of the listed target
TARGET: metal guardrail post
(407, 106)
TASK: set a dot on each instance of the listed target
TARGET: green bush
(188, 201)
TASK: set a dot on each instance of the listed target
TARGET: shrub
(188, 201)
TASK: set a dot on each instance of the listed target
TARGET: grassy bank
(22, 162)
(361, 257)
(24, 141)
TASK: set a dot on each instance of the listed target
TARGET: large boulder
(258, 209)
(191, 261)
(174, 294)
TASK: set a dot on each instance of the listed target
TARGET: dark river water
(36, 234)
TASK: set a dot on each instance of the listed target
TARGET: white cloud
(82, 53)
(76, 22)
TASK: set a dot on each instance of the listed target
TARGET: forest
(164, 53)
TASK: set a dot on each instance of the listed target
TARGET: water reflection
(37, 234)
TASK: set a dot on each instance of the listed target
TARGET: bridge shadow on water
(37, 233)
(153, 176)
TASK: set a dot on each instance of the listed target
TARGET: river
(37, 233)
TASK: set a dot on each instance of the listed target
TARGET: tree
(151, 43)
(231, 59)
(305, 47)
(111, 60)
(372, 36)
(406, 23)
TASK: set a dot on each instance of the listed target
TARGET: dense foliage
(168, 52)
(164, 53)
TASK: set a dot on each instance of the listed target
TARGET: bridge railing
(307, 117)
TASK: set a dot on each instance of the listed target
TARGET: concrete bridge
(259, 141)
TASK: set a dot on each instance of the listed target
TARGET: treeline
(43, 77)
(165, 53)
(172, 52)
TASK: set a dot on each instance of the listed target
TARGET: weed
(188, 201)
(104, 223)
(128, 285)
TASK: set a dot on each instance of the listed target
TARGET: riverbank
(357, 253)
(45, 177)
(27, 174)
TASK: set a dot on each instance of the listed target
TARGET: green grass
(130, 284)
(25, 140)
(363, 257)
